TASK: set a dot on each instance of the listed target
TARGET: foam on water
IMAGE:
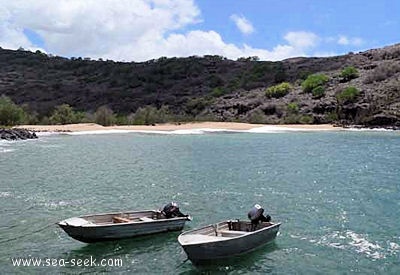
(352, 241)
(5, 194)
(200, 131)
(267, 129)
(349, 240)
(174, 132)
(3, 146)
(98, 132)
(394, 248)
(278, 129)
(2, 150)
(363, 245)
(369, 130)
(46, 134)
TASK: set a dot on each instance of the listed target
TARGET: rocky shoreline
(369, 127)
(17, 134)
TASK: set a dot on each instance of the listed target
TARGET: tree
(145, 115)
(10, 113)
(104, 116)
(63, 114)
(149, 115)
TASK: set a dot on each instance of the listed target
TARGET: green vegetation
(104, 116)
(257, 117)
(303, 75)
(306, 119)
(150, 115)
(291, 118)
(318, 91)
(195, 106)
(279, 90)
(349, 73)
(10, 113)
(313, 82)
(64, 114)
(218, 91)
(332, 116)
(349, 94)
(292, 108)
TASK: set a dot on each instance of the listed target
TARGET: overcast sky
(138, 30)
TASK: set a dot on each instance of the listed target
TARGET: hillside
(210, 87)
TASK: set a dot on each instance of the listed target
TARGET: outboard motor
(171, 210)
(256, 215)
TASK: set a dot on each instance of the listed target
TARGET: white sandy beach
(230, 126)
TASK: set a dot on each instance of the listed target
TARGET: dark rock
(17, 134)
(383, 120)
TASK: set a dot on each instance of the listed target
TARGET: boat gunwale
(120, 212)
(92, 225)
(222, 240)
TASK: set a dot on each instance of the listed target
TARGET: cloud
(242, 24)
(210, 42)
(302, 39)
(128, 30)
(90, 27)
(354, 41)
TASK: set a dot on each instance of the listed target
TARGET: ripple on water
(351, 241)
(42, 201)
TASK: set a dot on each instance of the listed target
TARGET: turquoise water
(336, 194)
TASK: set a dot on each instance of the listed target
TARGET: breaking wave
(258, 130)
(174, 132)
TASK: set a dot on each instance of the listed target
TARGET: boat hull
(90, 233)
(220, 249)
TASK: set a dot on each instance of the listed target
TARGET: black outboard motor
(171, 210)
(256, 216)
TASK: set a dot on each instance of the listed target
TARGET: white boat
(226, 239)
(112, 226)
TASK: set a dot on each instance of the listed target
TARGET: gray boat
(226, 239)
(112, 226)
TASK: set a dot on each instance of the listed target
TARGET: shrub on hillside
(279, 90)
(318, 91)
(10, 113)
(292, 108)
(218, 91)
(349, 94)
(349, 73)
(257, 117)
(313, 81)
(306, 119)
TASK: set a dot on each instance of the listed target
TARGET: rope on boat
(25, 235)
